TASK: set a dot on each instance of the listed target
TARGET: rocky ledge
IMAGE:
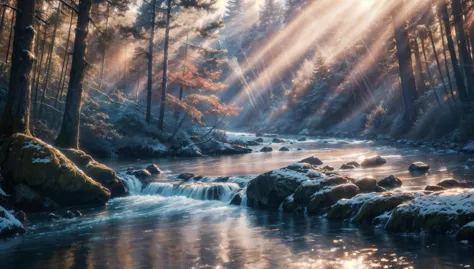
(302, 187)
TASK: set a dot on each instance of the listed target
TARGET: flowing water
(171, 224)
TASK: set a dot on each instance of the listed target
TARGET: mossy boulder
(97, 171)
(29, 161)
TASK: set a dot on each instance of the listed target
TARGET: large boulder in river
(390, 182)
(29, 161)
(278, 140)
(266, 149)
(450, 184)
(367, 206)
(9, 225)
(373, 161)
(466, 232)
(328, 196)
(438, 212)
(270, 189)
(312, 160)
(284, 149)
(418, 167)
(153, 169)
(305, 191)
(97, 171)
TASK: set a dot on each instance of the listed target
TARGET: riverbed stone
(373, 161)
(284, 149)
(278, 140)
(153, 169)
(312, 160)
(325, 198)
(269, 190)
(390, 182)
(266, 149)
(449, 184)
(303, 194)
(366, 184)
(419, 167)
(259, 140)
(302, 139)
(186, 176)
(434, 188)
(29, 161)
(354, 163)
(347, 167)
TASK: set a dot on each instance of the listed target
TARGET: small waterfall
(134, 185)
(244, 198)
(194, 190)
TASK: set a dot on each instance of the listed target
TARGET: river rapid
(193, 225)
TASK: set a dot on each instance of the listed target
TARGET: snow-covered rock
(437, 212)
(9, 225)
(469, 148)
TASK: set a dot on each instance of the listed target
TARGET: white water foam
(194, 190)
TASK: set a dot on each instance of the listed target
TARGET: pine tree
(270, 15)
(234, 9)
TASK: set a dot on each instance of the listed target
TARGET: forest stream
(194, 226)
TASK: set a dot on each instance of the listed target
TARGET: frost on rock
(365, 207)
(9, 225)
(438, 212)
(42, 160)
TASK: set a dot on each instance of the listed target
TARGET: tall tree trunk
(446, 66)
(69, 135)
(104, 50)
(2, 21)
(150, 64)
(10, 36)
(164, 83)
(462, 91)
(38, 73)
(181, 87)
(435, 53)
(462, 46)
(16, 116)
(408, 83)
(427, 66)
(62, 75)
(50, 58)
(419, 76)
